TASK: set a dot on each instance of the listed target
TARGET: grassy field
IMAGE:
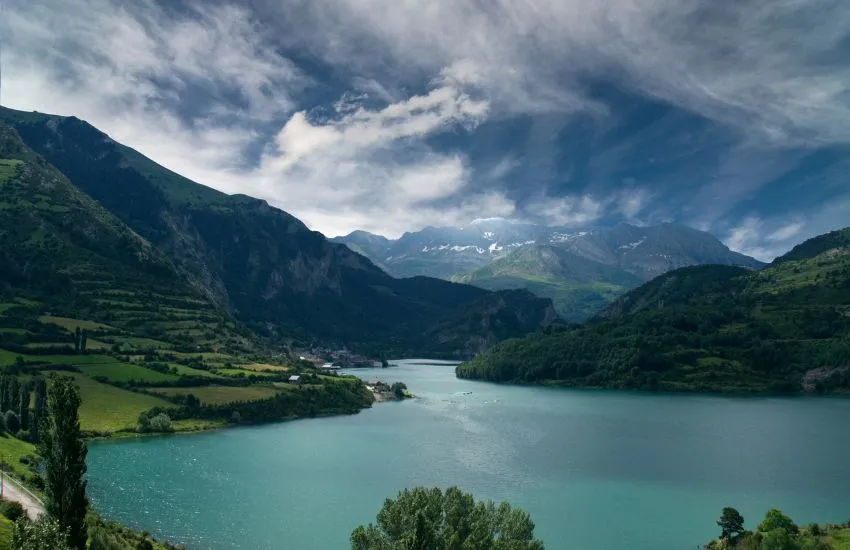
(209, 357)
(183, 370)
(74, 359)
(72, 324)
(6, 530)
(243, 372)
(107, 409)
(196, 425)
(841, 539)
(263, 367)
(8, 357)
(12, 450)
(139, 343)
(125, 372)
(219, 395)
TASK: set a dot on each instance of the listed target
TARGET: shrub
(775, 519)
(11, 510)
(398, 389)
(44, 533)
(161, 423)
(144, 422)
(13, 423)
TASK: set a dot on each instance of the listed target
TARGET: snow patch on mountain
(632, 246)
(453, 248)
(565, 237)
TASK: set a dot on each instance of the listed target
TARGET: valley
(424, 275)
(705, 328)
(581, 270)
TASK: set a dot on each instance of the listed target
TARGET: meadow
(219, 395)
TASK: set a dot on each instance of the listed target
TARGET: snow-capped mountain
(580, 269)
(446, 252)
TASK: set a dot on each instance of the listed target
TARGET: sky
(732, 116)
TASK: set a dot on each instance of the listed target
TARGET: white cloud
(631, 202)
(774, 70)
(129, 70)
(199, 87)
(373, 169)
(766, 239)
(786, 232)
(360, 130)
(162, 83)
(567, 211)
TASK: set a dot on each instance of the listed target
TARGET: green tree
(731, 523)
(77, 340)
(24, 407)
(39, 411)
(4, 393)
(192, 402)
(775, 519)
(430, 519)
(777, 539)
(398, 389)
(84, 338)
(13, 423)
(143, 424)
(160, 423)
(13, 394)
(63, 455)
(40, 535)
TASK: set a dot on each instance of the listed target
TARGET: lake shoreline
(649, 458)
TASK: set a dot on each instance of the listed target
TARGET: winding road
(13, 490)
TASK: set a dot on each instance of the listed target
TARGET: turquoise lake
(596, 470)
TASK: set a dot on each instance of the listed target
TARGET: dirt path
(12, 490)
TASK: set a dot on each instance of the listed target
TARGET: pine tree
(24, 407)
(63, 454)
(39, 411)
(13, 394)
(77, 340)
(4, 393)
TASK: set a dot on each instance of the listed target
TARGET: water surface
(596, 470)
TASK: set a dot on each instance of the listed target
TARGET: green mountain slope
(260, 264)
(578, 287)
(708, 328)
(62, 252)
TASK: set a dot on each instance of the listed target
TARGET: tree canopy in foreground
(430, 519)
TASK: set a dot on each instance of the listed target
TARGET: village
(329, 362)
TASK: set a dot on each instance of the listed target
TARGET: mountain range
(93, 226)
(580, 269)
(785, 328)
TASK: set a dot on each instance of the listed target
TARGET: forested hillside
(61, 252)
(259, 265)
(578, 287)
(708, 328)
